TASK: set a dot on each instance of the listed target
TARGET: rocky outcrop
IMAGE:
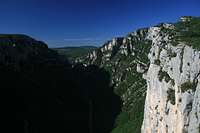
(168, 57)
(172, 103)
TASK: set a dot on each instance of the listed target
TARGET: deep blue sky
(82, 22)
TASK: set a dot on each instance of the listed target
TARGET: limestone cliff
(167, 56)
(173, 86)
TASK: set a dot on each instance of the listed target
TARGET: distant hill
(74, 52)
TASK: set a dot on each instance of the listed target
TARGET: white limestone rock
(160, 115)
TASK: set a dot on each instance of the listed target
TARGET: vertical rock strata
(173, 87)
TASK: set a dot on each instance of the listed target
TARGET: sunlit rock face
(173, 87)
(159, 63)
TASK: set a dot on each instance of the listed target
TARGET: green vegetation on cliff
(127, 82)
(187, 31)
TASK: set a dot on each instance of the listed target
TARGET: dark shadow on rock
(53, 96)
(104, 105)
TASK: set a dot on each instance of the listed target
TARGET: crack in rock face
(183, 69)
